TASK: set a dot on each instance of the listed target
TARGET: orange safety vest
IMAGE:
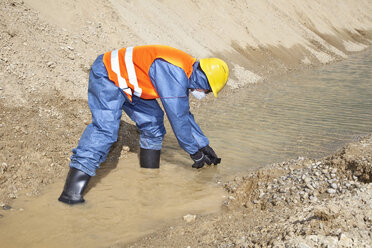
(129, 67)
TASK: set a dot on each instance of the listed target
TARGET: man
(131, 79)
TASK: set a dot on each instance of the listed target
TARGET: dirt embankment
(298, 203)
(47, 48)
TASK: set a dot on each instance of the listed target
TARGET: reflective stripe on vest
(131, 72)
(116, 68)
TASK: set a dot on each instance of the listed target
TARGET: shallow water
(123, 205)
(308, 114)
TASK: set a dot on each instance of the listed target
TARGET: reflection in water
(309, 114)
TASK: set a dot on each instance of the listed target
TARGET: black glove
(200, 159)
(211, 155)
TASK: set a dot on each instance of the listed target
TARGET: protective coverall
(106, 101)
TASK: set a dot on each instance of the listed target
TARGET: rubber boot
(76, 182)
(149, 158)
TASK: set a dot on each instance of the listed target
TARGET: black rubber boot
(76, 182)
(149, 158)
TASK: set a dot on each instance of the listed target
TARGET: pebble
(303, 245)
(282, 190)
(51, 64)
(334, 186)
(189, 218)
(307, 180)
(71, 56)
(125, 148)
(331, 191)
(309, 186)
(6, 207)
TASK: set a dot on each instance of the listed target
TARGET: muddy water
(126, 203)
(310, 114)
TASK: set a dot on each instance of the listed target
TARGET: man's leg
(105, 100)
(149, 118)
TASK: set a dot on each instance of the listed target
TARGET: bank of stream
(307, 114)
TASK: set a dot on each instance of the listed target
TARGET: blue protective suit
(106, 102)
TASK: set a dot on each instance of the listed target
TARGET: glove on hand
(211, 155)
(200, 159)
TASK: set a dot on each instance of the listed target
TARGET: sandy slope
(44, 41)
(47, 47)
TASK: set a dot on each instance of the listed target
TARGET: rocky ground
(298, 203)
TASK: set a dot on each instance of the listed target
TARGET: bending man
(131, 79)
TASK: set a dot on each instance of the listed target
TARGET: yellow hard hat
(217, 73)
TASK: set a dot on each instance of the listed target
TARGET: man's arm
(171, 83)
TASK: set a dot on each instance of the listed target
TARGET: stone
(331, 191)
(189, 218)
(6, 207)
(125, 148)
(51, 64)
(309, 186)
(303, 245)
(71, 56)
(334, 186)
(345, 241)
(282, 190)
(307, 180)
